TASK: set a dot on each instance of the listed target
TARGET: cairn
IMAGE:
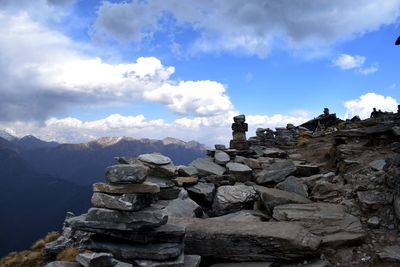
(239, 129)
(123, 221)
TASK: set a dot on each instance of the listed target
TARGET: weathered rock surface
(220, 157)
(219, 180)
(374, 199)
(126, 202)
(275, 153)
(233, 198)
(243, 241)
(62, 264)
(124, 173)
(183, 208)
(206, 167)
(294, 185)
(187, 171)
(241, 172)
(177, 262)
(202, 193)
(89, 259)
(185, 181)
(241, 216)
(276, 173)
(377, 165)
(390, 254)
(306, 170)
(145, 187)
(154, 158)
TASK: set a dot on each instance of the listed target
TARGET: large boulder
(241, 172)
(231, 198)
(206, 167)
(243, 241)
(276, 173)
(124, 173)
(294, 185)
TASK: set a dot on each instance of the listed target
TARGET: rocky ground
(295, 197)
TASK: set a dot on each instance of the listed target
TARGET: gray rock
(275, 153)
(185, 181)
(126, 202)
(313, 179)
(252, 163)
(233, 198)
(396, 206)
(373, 200)
(396, 130)
(206, 167)
(148, 217)
(324, 190)
(220, 157)
(130, 251)
(276, 173)
(219, 147)
(241, 172)
(117, 263)
(128, 160)
(202, 193)
(306, 170)
(89, 259)
(270, 197)
(145, 187)
(241, 216)
(62, 264)
(294, 185)
(183, 208)
(374, 222)
(329, 221)
(243, 241)
(124, 173)
(169, 193)
(244, 264)
(219, 180)
(160, 181)
(166, 171)
(239, 118)
(390, 254)
(178, 262)
(192, 260)
(377, 165)
(154, 158)
(187, 171)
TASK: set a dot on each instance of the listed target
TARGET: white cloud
(363, 105)
(253, 27)
(348, 62)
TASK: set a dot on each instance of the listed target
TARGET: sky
(77, 70)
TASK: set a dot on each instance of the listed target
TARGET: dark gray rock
(324, 190)
(220, 157)
(185, 181)
(306, 170)
(244, 264)
(313, 179)
(154, 158)
(166, 171)
(390, 254)
(377, 165)
(145, 187)
(373, 200)
(270, 197)
(241, 172)
(169, 193)
(233, 198)
(62, 264)
(294, 185)
(206, 167)
(177, 262)
(219, 147)
(243, 241)
(241, 216)
(187, 171)
(160, 181)
(183, 208)
(91, 259)
(396, 206)
(148, 217)
(202, 193)
(276, 173)
(126, 202)
(124, 173)
(219, 180)
(374, 222)
(128, 160)
(192, 260)
(275, 153)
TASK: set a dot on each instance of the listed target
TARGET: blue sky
(73, 71)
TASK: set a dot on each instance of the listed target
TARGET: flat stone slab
(231, 198)
(294, 185)
(185, 181)
(220, 157)
(126, 173)
(155, 158)
(125, 202)
(130, 251)
(275, 153)
(146, 217)
(330, 221)
(276, 173)
(241, 216)
(206, 167)
(241, 172)
(390, 253)
(178, 262)
(145, 187)
(271, 197)
(160, 181)
(182, 208)
(243, 241)
(92, 259)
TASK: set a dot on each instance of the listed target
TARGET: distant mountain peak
(7, 135)
(110, 140)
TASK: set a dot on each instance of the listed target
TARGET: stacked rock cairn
(239, 129)
(123, 222)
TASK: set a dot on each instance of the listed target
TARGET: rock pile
(239, 129)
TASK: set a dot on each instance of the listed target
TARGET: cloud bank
(363, 105)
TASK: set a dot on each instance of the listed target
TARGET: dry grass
(67, 254)
(303, 139)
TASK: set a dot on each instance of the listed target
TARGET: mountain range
(41, 181)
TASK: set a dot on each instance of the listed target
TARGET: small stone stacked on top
(123, 220)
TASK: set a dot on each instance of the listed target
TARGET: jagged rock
(126, 202)
(219, 180)
(130, 251)
(390, 253)
(243, 241)
(294, 185)
(154, 158)
(148, 217)
(270, 197)
(233, 198)
(62, 264)
(187, 171)
(241, 172)
(373, 200)
(241, 216)
(88, 259)
(183, 208)
(220, 157)
(330, 221)
(275, 153)
(377, 165)
(185, 181)
(192, 260)
(202, 193)
(145, 187)
(276, 173)
(306, 170)
(124, 173)
(206, 167)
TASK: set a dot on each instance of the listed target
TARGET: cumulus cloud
(363, 105)
(43, 72)
(348, 62)
(253, 27)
